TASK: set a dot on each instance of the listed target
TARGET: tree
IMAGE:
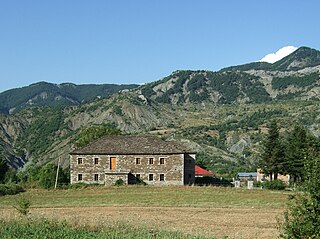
(302, 217)
(3, 169)
(296, 150)
(47, 176)
(273, 154)
(92, 133)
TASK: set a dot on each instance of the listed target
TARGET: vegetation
(10, 189)
(22, 205)
(299, 81)
(43, 176)
(274, 185)
(53, 95)
(119, 182)
(3, 169)
(92, 133)
(302, 217)
(273, 154)
(150, 196)
(39, 136)
(57, 230)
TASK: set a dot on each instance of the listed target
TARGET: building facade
(133, 159)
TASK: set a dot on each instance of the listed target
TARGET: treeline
(34, 175)
(281, 83)
(67, 94)
(288, 153)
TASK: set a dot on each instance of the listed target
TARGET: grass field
(203, 211)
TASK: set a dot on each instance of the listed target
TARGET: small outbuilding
(244, 176)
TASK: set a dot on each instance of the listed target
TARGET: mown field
(196, 211)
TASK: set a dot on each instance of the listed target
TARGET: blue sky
(127, 41)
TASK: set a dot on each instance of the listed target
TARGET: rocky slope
(296, 76)
(222, 115)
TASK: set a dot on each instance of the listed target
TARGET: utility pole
(57, 174)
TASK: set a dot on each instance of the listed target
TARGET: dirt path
(236, 223)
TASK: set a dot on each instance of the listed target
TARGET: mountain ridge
(50, 94)
(221, 114)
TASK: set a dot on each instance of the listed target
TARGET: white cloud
(283, 52)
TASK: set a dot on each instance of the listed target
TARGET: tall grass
(42, 229)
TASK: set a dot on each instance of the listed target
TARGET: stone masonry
(174, 167)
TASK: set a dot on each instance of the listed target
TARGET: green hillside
(47, 94)
(222, 115)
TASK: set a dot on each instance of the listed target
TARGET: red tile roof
(201, 171)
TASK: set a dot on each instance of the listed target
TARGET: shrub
(257, 184)
(22, 205)
(25, 229)
(207, 180)
(274, 185)
(82, 185)
(302, 216)
(119, 182)
(10, 189)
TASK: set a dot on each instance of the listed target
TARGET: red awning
(201, 171)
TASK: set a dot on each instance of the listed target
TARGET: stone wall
(189, 169)
(175, 169)
(112, 177)
(88, 168)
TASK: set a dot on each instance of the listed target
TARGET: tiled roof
(201, 171)
(138, 145)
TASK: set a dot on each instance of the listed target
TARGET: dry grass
(205, 211)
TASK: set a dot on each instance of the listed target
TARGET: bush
(82, 185)
(257, 184)
(10, 189)
(274, 185)
(207, 180)
(302, 216)
(22, 205)
(119, 182)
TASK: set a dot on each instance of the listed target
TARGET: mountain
(223, 115)
(294, 77)
(297, 60)
(48, 94)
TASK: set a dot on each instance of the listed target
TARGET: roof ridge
(132, 144)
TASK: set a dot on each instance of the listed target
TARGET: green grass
(147, 196)
(42, 229)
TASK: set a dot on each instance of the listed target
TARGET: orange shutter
(113, 163)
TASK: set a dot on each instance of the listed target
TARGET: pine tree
(273, 155)
(296, 150)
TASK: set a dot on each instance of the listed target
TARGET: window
(138, 176)
(161, 177)
(80, 160)
(150, 177)
(161, 160)
(150, 160)
(96, 160)
(79, 177)
(96, 177)
(138, 161)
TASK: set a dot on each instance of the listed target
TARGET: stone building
(132, 159)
